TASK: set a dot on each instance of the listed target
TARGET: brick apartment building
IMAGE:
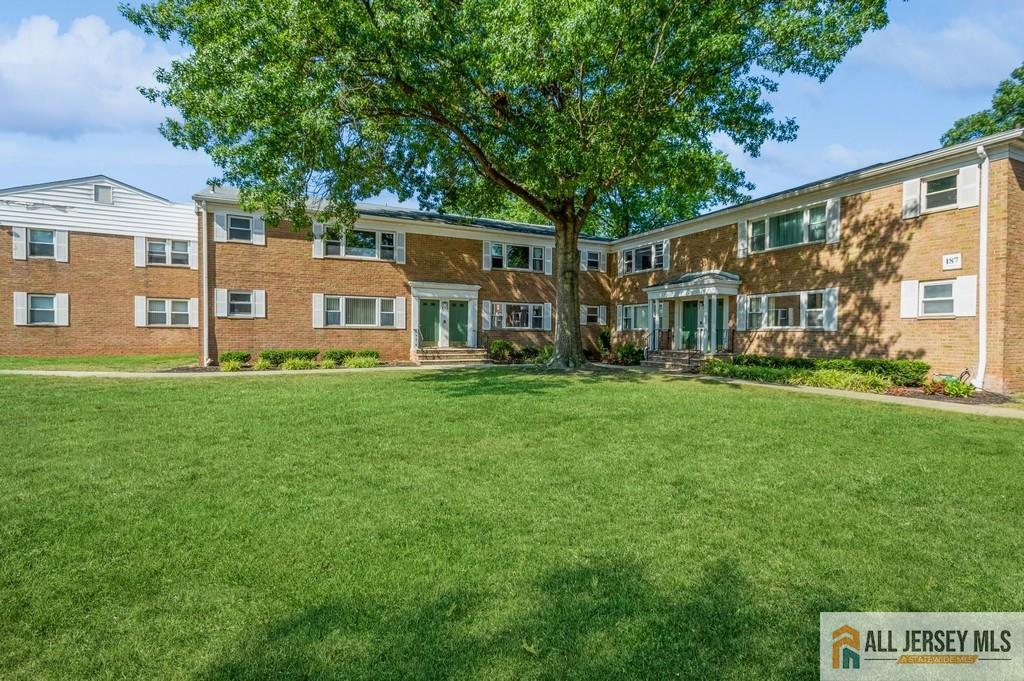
(921, 257)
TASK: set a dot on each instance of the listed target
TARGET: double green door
(458, 323)
(692, 322)
(430, 323)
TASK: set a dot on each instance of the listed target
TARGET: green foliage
(629, 353)
(528, 353)
(901, 372)
(604, 340)
(338, 356)
(328, 363)
(501, 350)
(952, 388)
(361, 362)
(262, 365)
(279, 357)
(234, 356)
(544, 355)
(368, 353)
(231, 365)
(297, 364)
(1006, 113)
(807, 375)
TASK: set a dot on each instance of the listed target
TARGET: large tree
(1006, 113)
(570, 106)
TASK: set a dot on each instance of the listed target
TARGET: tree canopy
(1006, 113)
(571, 108)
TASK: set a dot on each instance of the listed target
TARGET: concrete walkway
(959, 408)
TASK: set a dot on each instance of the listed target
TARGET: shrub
(234, 356)
(297, 364)
(361, 362)
(338, 356)
(630, 353)
(604, 341)
(761, 374)
(501, 350)
(958, 388)
(230, 365)
(544, 355)
(328, 363)
(841, 380)
(279, 357)
(262, 365)
(528, 353)
(934, 388)
(368, 353)
(903, 372)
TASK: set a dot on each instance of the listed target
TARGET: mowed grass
(481, 524)
(100, 363)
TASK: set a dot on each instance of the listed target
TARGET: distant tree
(1006, 113)
(570, 106)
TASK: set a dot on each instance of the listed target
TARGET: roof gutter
(205, 360)
(979, 377)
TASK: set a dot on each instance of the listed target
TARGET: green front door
(430, 322)
(690, 321)
(458, 323)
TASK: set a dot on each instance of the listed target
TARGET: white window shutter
(666, 261)
(259, 231)
(831, 309)
(400, 248)
(602, 260)
(602, 314)
(967, 186)
(583, 315)
(583, 260)
(400, 312)
(912, 199)
(741, 313)
(485, 314)
(832, 220)
(318, 244)
(487, 256)
(60, 317)
(220, 226)
(965, 296)
(742, 239)
(908, 298)
(140, 251)
(193, 254)
(60, 245)
(621, 263)
(20, 308)
(140, 311)
(547, 260)
(618, 318)
(259, 303)
(193, 312)
(318, 310)
(547, 316)
(19, 241)
(220, 302)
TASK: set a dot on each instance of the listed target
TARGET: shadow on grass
(595, 619)
(519, 380)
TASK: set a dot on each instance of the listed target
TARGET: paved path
(960, 408)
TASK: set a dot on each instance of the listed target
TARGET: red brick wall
(101, 282)
(1007, 308)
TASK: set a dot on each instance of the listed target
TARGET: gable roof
(90, 179)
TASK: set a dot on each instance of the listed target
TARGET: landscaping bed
(298, 360)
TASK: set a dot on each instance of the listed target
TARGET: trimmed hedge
(368, 353)
(901, 372)
(234, 356)
(339, 356)
(279, 357)
(818, 378)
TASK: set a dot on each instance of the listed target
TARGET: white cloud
(82, 80)
(967, 54)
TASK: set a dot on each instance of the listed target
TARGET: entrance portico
(443, 315)
(700, 318)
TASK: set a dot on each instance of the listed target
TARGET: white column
(471, 326)
(704, 329)
(714, 323)
(442, 336)
(414, 327)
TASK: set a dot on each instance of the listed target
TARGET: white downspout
(979, 378)
(206, 288)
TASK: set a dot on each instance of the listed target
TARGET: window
(815, 318)
(784, 310)
(41, 243)
(239, 303)
(804, 226)
(239, 228)
(518, 315)
(359, 311)
(755, 312)
(634, 317)
(362, 243)
(937, 298)
(103, 194)
(592, 260)
(793, 310)
(166, 252)
(643, 258)
(160, 312)
(517, 257)
(939, 192)
(593, 314)
(41, 309)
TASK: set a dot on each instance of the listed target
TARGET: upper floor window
(808, 225)
(102, 193)
(41, 243)
(517, 257)
(166, 252)
(592, 261)
(240, 228)
(362, 243)
(41, 309)
(643, 258)
(939, 192)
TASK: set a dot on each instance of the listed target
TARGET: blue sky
(68, 105)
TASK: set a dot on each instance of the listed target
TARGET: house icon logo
(846, 648)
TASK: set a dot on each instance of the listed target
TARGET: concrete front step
(452, 354)
(468, 361)
(671, 366)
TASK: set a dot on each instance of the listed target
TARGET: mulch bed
(979, 397)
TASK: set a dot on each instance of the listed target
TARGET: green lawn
(481, 524)
(100, 363)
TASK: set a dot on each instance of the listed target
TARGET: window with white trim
(239, 303)
(517, 257)
(518, 316)
(362, 243)
(593, 314)
(166, 252)
(240, 228)
(42, 308)
(634, 317)
(591, 260)
(755, 312)
(41, 243)
(359, 311)
(102, 193)
(790, 310)
(814, 316)
(166, 312)
(805, 226)
(937, 298)
(939, 192)
(643, 258)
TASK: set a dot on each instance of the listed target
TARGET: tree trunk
(568, 352)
